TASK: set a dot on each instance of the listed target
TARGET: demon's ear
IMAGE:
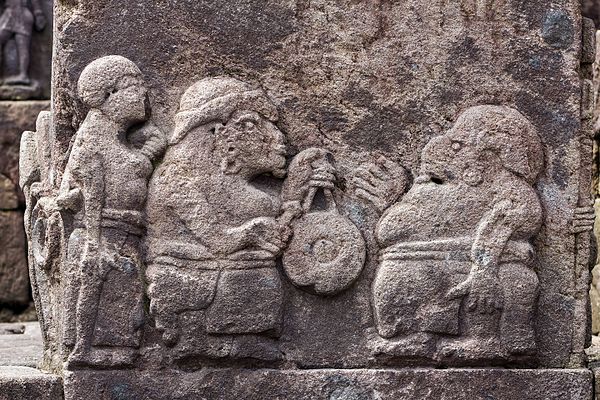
(519, 147)
(508, 134)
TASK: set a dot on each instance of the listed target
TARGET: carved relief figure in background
(217, 222)
(17, 22)
(456, 279)
(109, 168)
(45, 230)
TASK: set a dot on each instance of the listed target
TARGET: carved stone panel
(320, 185)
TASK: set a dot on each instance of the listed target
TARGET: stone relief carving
(379, 183)
(456, 280)
(209, 232)
(101, 198)
(18, 20)
(218, 224)
(108, 170)
(44, 228)
(327, 251)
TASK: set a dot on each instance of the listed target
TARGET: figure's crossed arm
(514, 211)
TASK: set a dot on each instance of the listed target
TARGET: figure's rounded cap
(216, 99)
(101, 76)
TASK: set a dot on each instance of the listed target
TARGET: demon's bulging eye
(456, 146)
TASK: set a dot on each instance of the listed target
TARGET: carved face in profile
(483, 141)
(127, 100)
(252, 145)
(453, 157)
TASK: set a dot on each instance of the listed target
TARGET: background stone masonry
(16, 116)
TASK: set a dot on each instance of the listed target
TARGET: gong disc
(326, 254)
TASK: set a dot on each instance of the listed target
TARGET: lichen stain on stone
(558, 29)
(121, 391)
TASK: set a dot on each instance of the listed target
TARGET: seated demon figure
(215, 231)
(456, 279)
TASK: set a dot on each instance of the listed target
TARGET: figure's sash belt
(455, 249)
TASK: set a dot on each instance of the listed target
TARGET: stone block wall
(22, 97)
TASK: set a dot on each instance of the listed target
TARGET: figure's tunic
(17, 17)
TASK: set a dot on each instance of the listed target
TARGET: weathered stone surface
(25, 383)
(334, 384)
(9, 199)
(14, 279)
(324, 184)
(16, 117)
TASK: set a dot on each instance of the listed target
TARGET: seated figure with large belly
(456, 282)
(216, 230)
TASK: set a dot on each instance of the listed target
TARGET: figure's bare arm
(493, 233)
(38, 14)
(206, 221)
(92, 182)
(264, 233)
(517, 209)
(69, 194)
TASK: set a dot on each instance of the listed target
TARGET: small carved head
(484, 140)
(115, 86)
(240, 121)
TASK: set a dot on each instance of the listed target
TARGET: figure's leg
(172, 291)
(400, 290)
(248, 301)
(5, 36)
(86, 314)
(23, 50)
(520, 285)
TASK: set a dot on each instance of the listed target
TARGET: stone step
(25, 383)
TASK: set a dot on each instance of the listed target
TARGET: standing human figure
(111, 172)
(17, 21)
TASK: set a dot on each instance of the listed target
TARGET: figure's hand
(583, 219)
(312, 168)
(40, 21)
(151, 140)
(267, 234)
(483, 290)
(380, 183)
(37, 189)
(69, 200)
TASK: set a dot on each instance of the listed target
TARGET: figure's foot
(414, 346)
(21, 79)
(256, 347)
(521, 343)
(470, 351)
(103, 358)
